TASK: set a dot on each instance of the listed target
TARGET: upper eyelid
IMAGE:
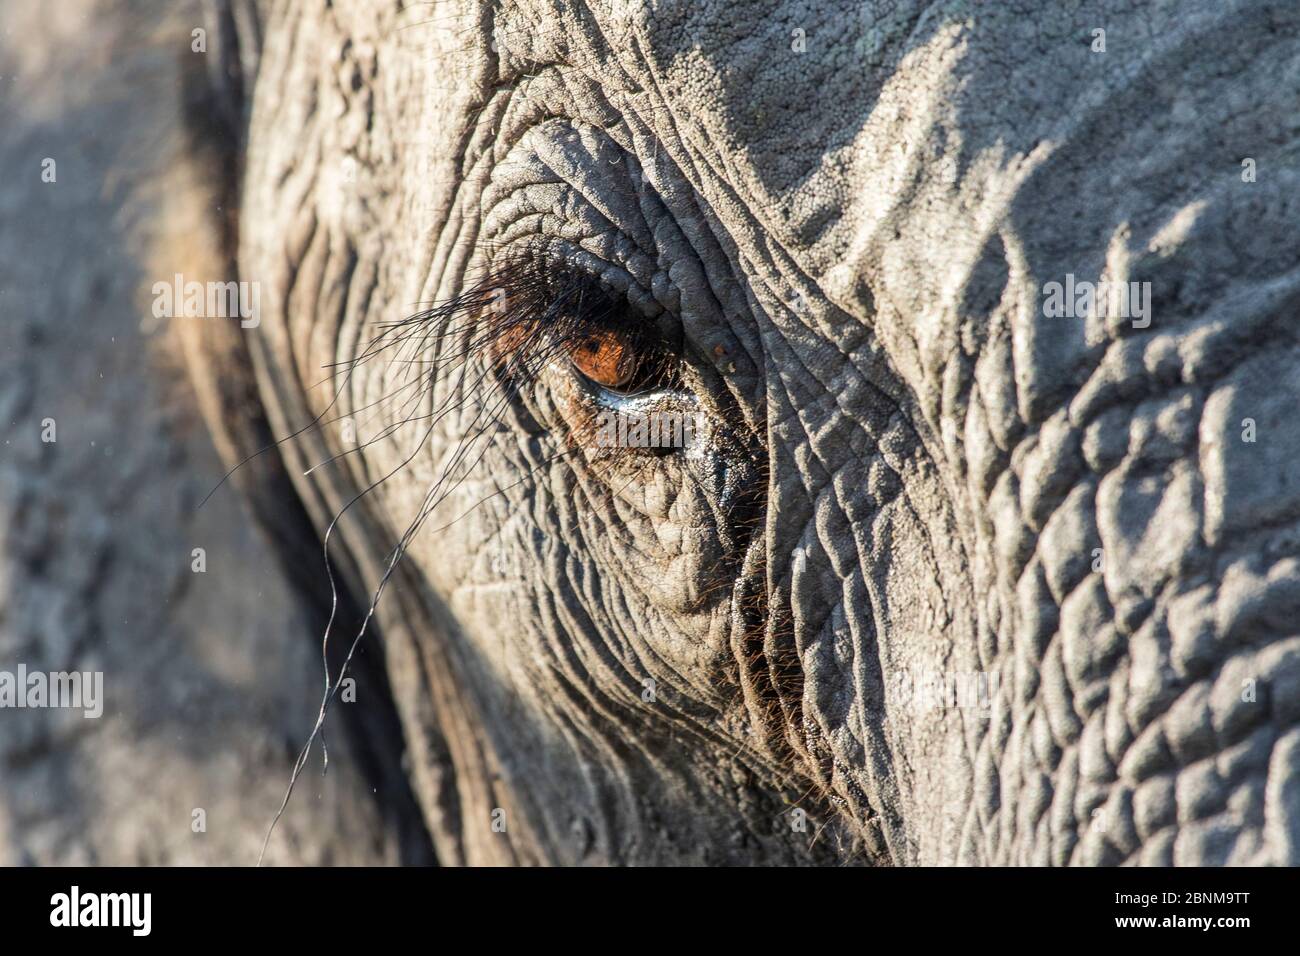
(555, 185)
(563, 254)
(559, 155)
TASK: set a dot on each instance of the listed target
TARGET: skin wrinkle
(926, 429)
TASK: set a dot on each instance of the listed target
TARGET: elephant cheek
(1092, 671)
(868, 600)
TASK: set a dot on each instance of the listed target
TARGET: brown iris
(607, 358)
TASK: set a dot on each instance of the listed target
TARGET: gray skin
(912, 474)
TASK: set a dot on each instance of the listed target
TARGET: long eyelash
(521, 315)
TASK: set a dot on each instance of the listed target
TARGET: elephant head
(955, 555)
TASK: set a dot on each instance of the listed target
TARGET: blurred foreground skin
(209, 680)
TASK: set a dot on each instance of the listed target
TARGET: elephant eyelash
(525, 313)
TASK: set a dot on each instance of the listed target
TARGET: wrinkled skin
(913, 467)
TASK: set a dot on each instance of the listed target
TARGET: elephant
(981, 546)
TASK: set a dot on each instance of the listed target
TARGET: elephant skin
(955, 579)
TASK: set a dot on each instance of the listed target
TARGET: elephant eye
(621, 356)
(622, 361)
(608, 358)
(529, 312)
(526, 312)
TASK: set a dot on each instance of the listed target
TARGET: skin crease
(849, 216)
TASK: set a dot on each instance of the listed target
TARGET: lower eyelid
(667, 404)
(655, 400)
